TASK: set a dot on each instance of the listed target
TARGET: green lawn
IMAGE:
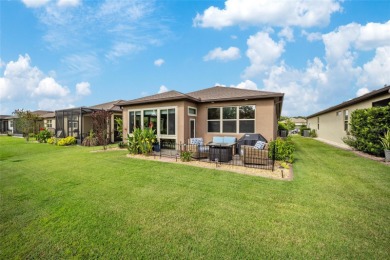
(63, 202)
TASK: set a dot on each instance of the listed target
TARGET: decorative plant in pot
(385, 140)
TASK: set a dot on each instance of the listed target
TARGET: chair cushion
(260, 145)
(218, 139)
(229, 139)
(197, 141)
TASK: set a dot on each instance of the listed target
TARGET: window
(167, 122)
(345, 120)
(134, 120)
(49, 123)
(318, 123)
(150, 119)
(192, 111)
(229, 119)
(247, 119)
(11, 123)
(162, 121)
(338, 113)
(214, 120)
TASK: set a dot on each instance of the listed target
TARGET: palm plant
(385, 140)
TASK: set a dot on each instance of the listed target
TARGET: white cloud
(49, 87)
(362, 91)
(373, 35)
(122, 49)
(376, 71)
(35, 3)
(311, 37)
(159, 62)
(86, 64)
(83, 89)
(287, 33)
(66, 3)
(162, 89)
(25, 85)
(268, 12)
(247, 84)
(232, 53)
(262, 52)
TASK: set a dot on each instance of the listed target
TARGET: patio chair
(255, 154)
(197, 148)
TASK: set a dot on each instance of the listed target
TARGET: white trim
(193, 119)
(196, 111)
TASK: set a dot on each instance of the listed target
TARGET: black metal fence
(245, 156)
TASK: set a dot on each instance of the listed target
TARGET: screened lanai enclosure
(77, 122)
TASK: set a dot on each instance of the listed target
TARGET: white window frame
(196, 111)
(159, 136)
(237, 120)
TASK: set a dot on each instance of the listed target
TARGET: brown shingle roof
(48, 115)
(166, 96)
(205, 95)
(230, 93)
(110, 106)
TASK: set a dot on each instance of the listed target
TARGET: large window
(214, 120)
(229, 123)
(247, 119)
(163, 121)
(229, 119)
(134, 120)
(49, 123)
(167, 122)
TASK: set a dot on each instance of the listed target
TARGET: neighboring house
(77, 122)
(332, 124)
(13, 122)
(215, 111)
(4, 124)
(49, 121)
(298, 121)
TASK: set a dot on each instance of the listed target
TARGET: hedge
(367, 125)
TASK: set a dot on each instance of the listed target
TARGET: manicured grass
(61, 202)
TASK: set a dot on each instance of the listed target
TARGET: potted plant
(385, 140)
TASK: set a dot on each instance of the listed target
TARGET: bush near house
(43, 135)
(70, 140)
(367, 126)
(141, 141)
(284, 149)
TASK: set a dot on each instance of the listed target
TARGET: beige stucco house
(49, 121)
(215, 111)
(332, 124)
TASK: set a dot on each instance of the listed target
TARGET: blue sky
(62, 53)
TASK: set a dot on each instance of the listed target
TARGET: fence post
(273, 156)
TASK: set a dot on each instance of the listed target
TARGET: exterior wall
(331, 126)
(265, 118)
(53, 124)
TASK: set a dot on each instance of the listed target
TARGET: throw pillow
(259, 145)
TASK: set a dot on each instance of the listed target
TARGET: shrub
(52, 140)
(141, 141)
(90, 140)
(121, 145)
(185, 156)
(284, 149)
(313, 133)
(70, 140)
(43, 136)
(385, 140)
(367, 126)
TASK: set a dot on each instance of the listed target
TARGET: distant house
(77, 122)
(13, 125)
(4, 124)
(332, 124)
(49, 121)
(206, 113)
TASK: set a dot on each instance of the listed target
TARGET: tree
(101, 123)
(26, 122)
(290, 125)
